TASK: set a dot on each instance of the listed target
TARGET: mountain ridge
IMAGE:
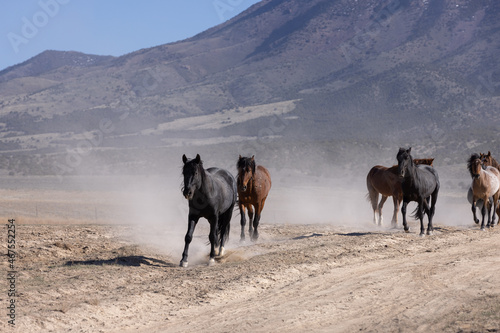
(386, 73)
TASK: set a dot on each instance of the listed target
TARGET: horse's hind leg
(224, 224)
(212, 236)
(397, 202)
(495, 208)
(488, 208)
(380, 206)
(430, 214)
(373, 196)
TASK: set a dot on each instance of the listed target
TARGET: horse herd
(213, 193)
(417, 180)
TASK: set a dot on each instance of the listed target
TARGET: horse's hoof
(211, 262)
(483, 229)
(430, 233)
(184, 264)
(222, 252)
(421, 235)
(407, 230)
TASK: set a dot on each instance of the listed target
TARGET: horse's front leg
(192, 221)
(243, 221)
(212, 236)
(483, 212)
(421, 209)
(250, 220)
(403, 212)
(476, 220)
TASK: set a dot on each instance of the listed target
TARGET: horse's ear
(408, 150)
(198, 158)
(240, 157)
(253, 158)
(489, 153)
(184, 158)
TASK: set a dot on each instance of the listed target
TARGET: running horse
(419, 183)
(385, 181)
(211, 194)
(488, 160)
(254, 183)
(485, 186)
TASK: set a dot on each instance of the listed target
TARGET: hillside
(318, 81)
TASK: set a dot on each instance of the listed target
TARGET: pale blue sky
(104, 27)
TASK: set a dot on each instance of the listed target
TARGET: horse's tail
(224, 226)
(372, 195)
(418, 213)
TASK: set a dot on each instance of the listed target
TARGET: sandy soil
(296, 278)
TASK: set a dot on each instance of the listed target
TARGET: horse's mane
(471, 159)
(245, 162)
(193, 163)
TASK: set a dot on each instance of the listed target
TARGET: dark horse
(485, 185)
(211, 194)
(419, 183)
(254, 183)
(385, 181)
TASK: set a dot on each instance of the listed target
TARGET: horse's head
(474, 165)
(246, 171)
(193, 173)
(404, 161)
(486, 159)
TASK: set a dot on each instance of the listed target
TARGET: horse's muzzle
(188, 194)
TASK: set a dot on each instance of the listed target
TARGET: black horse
(211, 194)
(419, 183)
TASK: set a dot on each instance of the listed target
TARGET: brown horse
(254, 183)
(488, 160)
(485, 185)
(386, 181)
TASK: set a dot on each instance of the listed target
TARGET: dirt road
(297, 278)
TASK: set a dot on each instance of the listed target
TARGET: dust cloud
(336, 195)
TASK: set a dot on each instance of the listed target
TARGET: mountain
(320, 80)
